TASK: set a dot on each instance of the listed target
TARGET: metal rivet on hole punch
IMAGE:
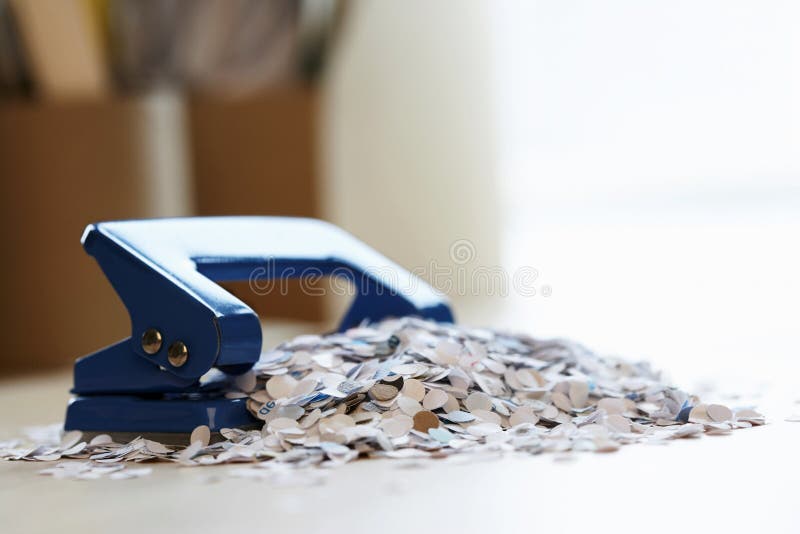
(178, 354)
(151, 341)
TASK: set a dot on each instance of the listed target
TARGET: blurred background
(638, 162)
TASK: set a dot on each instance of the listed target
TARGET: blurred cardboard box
(63, 166)
(256, 155)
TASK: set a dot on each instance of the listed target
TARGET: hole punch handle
(165, 271)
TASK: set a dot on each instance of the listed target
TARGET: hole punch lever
(184, 324)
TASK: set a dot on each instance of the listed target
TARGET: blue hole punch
(183, 324)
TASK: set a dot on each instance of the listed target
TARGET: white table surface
(710, 304)
(743, 482)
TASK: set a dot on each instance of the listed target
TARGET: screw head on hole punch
(151, 341)
(178, 354)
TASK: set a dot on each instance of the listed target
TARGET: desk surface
(715, 302)
(738, 483)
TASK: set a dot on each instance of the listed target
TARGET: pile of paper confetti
(409, 388)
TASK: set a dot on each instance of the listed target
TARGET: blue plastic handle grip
(165, 271)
